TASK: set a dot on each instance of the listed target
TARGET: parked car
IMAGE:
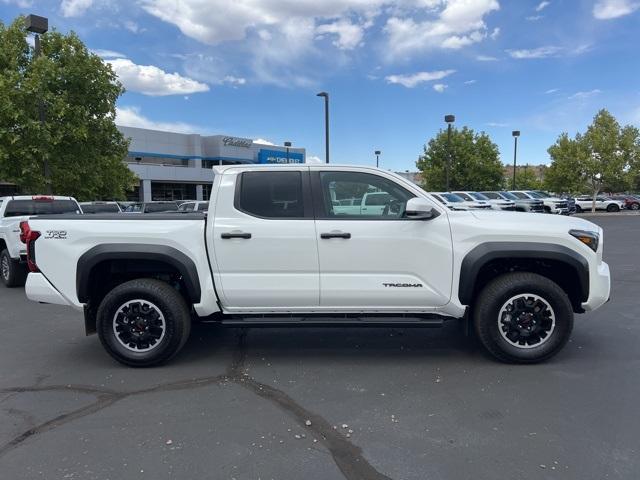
(100, 207)
(495, 203)
(13, 210)
(551, 204)
(194, 206)
(630, 202)
(585, 202)
(571, 202)
(275, 252)
(152, 207)
(521, 204)
(457, 202)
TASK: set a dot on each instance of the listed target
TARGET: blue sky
(252, 68)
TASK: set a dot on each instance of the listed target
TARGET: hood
(535, 220)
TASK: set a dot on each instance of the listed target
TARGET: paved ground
(420, 404)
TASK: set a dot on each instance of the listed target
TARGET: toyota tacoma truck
(274, 250)
(13, 210)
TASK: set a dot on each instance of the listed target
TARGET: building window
(164, 161)
(134, 195)
(172, 191)
(215, 163)
(206, 191)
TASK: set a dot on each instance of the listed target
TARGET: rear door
(378, 260)
(264, 240)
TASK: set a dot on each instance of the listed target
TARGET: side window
(186, 207)
(203, 207)
(362, 195)
(271, 194)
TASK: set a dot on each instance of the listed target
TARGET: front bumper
(39, 289)
(599, 288)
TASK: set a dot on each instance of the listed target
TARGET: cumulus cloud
(151, 80)
(540, 52)
(414, 79)
(131, 117)
(542, 5)
(19, 3)
(440, 87)
(314, 159)
(608, 9)
(107, 54)
(349, 35)
(262, 141)
(75, 8)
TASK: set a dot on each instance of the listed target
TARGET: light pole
(288, 145)
(516, 134)
(40, 25)
(377, 154)
(449, 119)
(326, 124)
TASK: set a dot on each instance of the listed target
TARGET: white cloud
(540, 52)
(262, 141)
(608, 9)
(131, 117)
(19, 3)
(495, 34)
(497, 124)
(349, 34)
(534, 18)
(458, 24)
(75, 8)
(470, 82)
(132, 26)
(440, 87)
(542, 5)
(151, 80)
(551, 90)
(414, 79)
(486, 58)
(585, 95)
(314, 159)
(108, 53)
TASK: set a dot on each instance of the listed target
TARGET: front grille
(561, 205)
(537, 208)
(511, 208)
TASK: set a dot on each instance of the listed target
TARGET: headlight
(590, 239)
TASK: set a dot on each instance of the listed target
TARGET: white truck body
(317, 262)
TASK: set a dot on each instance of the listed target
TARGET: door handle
(227, 236)
(344, 235)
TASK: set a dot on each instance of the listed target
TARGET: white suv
(585, 202)
(551, 204)
(496, 204)
(456, 202)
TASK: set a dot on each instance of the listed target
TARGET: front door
(264, 241)
(377, 258)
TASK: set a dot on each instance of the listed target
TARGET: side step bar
(328, 321)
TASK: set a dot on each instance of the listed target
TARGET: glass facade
(173, 191)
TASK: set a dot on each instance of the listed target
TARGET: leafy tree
(475, 163)
(605, 157)
(79, 138)
(526, 179)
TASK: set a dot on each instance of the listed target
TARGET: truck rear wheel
(143, 322)
(523, 317)
(12, 272)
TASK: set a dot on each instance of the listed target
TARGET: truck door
(378, 259)
(264, 240)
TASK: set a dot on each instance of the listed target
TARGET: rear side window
(203, 207)
(103, 208)
(186, 207)
(271, 194)
(19, 208)
(160, 207)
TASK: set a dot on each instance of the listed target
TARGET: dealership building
(177, 166)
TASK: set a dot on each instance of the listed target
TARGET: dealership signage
(237, 142)
(278, 156)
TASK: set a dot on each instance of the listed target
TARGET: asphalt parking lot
(381, 402)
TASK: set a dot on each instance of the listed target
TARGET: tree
(475, 163)
(526, 179)
(79, 138)
(605, 157)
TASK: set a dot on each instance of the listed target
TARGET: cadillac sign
(237, 142)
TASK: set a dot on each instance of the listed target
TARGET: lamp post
(449, 119)
(326, 124)
(40, 25)
(516, 134)
(377, 154)
(288, 145)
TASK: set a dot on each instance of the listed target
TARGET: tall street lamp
(40, 25)
(449, 119)
(326, 124)
(377, 154)
(288, 145)
(516, 134)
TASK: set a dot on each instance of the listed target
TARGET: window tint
(18, 208)
(160, 207)
(491, 195)
(186, 207)
(464, 196)
(100, 208)
(520, 195)
(452, 197)
(479, 196)
(381, 198)
(203, 207)
(271, 194)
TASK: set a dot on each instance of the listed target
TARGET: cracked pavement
(354, 403)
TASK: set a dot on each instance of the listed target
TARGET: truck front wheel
(143, 322)
(523, 317)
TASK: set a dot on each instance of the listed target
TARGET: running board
(328, 321)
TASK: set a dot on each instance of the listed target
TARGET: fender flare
(487, 252)
(133, 251)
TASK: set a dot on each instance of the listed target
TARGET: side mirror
(420, 209)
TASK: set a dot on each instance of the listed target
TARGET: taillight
(29, 237)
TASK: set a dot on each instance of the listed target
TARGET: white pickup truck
(275, 250)
(13, 210)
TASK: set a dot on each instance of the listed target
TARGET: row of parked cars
(144, 207)
(534, 201)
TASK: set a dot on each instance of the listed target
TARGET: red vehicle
(630, 202)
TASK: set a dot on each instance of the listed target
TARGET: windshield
(492, 195)
(478, 196)
(23, 208)
(452, 197)
(536, 195)
(509, 196)
(520, 195)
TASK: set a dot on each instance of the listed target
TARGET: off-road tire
(12, 272)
